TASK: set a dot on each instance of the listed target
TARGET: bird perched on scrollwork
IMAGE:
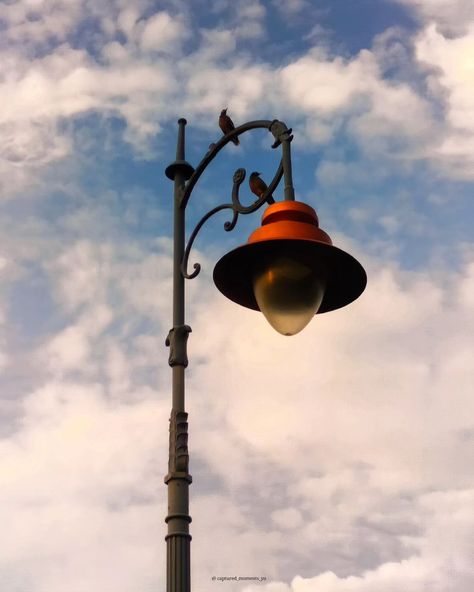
(227, 125)
(257, 185)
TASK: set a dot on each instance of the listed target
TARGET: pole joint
(177, 341)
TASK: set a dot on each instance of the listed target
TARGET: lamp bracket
(282, 135)
(237, 208)
(214, 150)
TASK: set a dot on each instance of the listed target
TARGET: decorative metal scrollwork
(237, 208)
(281, 134)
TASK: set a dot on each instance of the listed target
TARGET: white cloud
(215, 44)
(310, 82)
(299, 454)
(250, 9)
(290, 8)
(127, 20)
(287, 518)
(240, 86)
(454, 74)
(31, 23)
(83, 272)
(383, 117)
(443, 559)
(70, 349)
(42, 93)
(453, 15)
(230, 542)
(69, 495)
(161, 33)
(403, 418)
(466, 288)
(142, 81)
(319, 449)
(7, 273)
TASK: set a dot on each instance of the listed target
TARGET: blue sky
(335, 461)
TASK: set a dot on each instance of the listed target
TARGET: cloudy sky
(338, 460)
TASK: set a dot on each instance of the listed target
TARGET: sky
(337, 460)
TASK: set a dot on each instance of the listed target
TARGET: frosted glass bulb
(288, 292)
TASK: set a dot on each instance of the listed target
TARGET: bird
(257, 185)
(227, 125)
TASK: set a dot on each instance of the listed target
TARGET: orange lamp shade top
(291, 229)
(289, 220)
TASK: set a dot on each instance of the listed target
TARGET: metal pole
(178, 479)
(283, 136)
(289, 192)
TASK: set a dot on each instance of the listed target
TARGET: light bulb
(288, 291)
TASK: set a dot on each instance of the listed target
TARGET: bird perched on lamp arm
(227, 125)
(257, 185)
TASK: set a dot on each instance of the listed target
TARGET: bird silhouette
(257, 185)
(227, 125)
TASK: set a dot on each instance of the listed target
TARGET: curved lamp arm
(237, 208)
(282, 136)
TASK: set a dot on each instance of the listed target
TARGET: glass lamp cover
(288, 292)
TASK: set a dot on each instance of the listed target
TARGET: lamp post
(289, 269)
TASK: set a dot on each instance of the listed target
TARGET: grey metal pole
(178, 479)
(289, 191)
(283, 136)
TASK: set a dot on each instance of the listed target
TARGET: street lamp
(288, 269)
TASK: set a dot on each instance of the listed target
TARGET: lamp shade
(290, 255)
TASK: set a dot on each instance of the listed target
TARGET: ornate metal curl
(281, 133)
(237, 208)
